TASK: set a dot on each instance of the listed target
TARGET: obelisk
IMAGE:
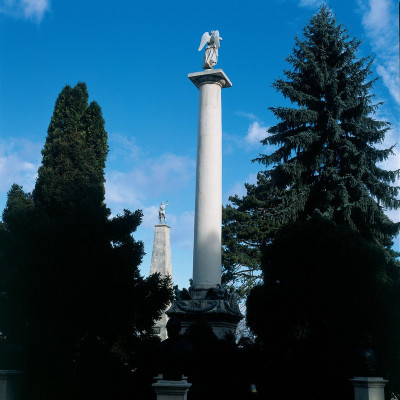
(208, 203)
(161, 263)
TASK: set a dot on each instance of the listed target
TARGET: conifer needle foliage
(328, 150)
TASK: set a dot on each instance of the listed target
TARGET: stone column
(161, 263)
(171, 390)
(208, 206)
(369, 388)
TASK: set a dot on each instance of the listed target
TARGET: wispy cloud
(238, 187)
(19, 162)
(25, 9)
(256, 133)
(122, 148)
(311, 3)
(381, 24)
(151, 177)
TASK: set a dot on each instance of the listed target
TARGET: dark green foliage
(327, 286)
(246, 232)
(327, 155)
(326, 161)
(75, 299)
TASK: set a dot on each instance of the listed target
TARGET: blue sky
(135, 57)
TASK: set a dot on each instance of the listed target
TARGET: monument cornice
(217, 76)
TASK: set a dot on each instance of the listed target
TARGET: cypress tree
(85, 307)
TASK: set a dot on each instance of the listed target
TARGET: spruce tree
(327, 157)
(85, 308)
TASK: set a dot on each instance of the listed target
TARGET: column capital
(210, 76)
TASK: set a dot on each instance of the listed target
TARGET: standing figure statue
(161, 213)
(211, 54)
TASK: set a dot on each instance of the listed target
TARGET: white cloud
(238, 187)
(183, 228)
(380, 21)
(310, 3)
(34, 9)
(19, 162)
(255, 133)
(152, 177)
(25, 9)
(122, 148)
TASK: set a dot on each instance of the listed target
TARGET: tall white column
(208, 206)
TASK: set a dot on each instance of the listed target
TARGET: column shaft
(208, 206)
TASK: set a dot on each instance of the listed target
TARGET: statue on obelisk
(161, 213)
(207, 298)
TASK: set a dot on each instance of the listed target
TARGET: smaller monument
(161, 261)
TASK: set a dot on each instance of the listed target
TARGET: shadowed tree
(84, 306)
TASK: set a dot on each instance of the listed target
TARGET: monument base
(171, 390)
(216, 306)
(367, 388)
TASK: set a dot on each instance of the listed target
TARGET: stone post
(171, 390)
(10, 384)
(161, 263)
(369, 388)
(208, 205)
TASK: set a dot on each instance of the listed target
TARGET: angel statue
(211, 54)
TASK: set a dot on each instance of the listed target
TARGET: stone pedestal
(171, 390)
(161, 263)
(161, 256)
(10, 384)
(217, 307)
(369, 388)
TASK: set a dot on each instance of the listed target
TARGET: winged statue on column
(211, 54)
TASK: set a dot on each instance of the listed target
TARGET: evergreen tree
(327, 288)
(326, 162)
(84, 307)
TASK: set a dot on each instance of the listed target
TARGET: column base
(215, 306)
